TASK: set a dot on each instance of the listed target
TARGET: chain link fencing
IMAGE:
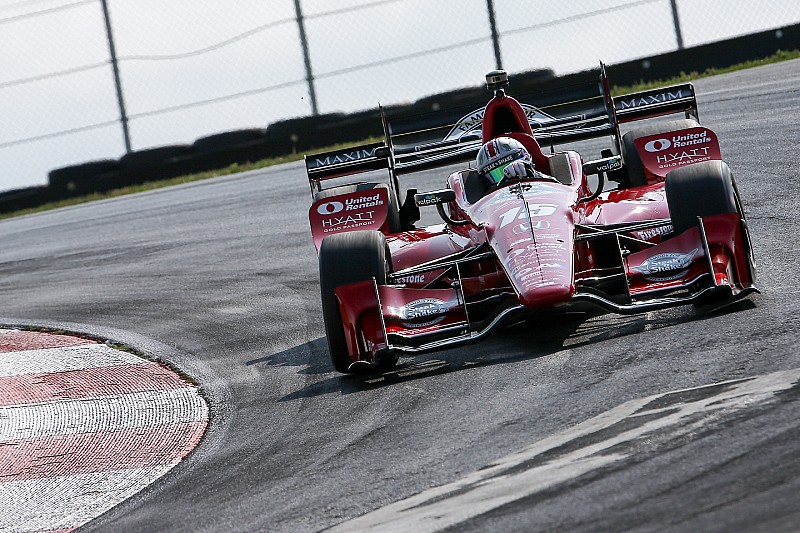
(192, 68)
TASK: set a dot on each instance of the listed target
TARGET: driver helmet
(496, 155)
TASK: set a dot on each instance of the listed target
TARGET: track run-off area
(679, 420)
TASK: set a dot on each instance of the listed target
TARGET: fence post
(306, 58)
(123, 116)
(677, 22)
(495, 36)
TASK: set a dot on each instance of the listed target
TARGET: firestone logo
(414, 278)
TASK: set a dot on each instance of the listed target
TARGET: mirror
(439, 197)
(602, 165)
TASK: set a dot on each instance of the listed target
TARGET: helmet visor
(496, 174)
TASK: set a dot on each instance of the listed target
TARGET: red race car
(525, 231)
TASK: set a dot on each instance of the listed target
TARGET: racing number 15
(537, 210)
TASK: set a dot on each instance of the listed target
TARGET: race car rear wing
(328, 165)
(438, 139)
(657, 102)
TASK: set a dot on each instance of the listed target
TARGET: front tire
(703, 190)
(700, 190)
(346, 258)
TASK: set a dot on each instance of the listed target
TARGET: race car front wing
(703, 264)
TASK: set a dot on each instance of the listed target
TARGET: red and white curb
(83, 427)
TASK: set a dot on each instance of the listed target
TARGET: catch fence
(175, 71)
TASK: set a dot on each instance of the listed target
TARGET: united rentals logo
(684, 139)
(669, 150)
(354, 204)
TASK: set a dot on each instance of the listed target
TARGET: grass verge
(236, 168)
(683, 77)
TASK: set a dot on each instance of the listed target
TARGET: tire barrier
(160, 155)
(29, 197)
(220, 142)
(79, 179)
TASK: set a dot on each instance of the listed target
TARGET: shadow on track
(519, 342)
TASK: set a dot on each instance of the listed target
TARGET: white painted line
(57, 503)
(519, 475)
(63, 359)
(106, 413)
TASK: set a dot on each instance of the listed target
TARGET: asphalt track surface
(559, 425)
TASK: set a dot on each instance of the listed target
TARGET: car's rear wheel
(394, 211)
(633, 175)
(346, 258)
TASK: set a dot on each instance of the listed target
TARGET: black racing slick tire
(700, 190)
(394, 210)
(633, 163)
(346, 258)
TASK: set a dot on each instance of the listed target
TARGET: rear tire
(700, 190)
(394, 210)
(347, 258)
(633, 163)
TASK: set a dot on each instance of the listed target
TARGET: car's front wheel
(346, 258)
(703, 190)
(700, 190)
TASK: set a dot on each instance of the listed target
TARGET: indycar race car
(672, 232)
